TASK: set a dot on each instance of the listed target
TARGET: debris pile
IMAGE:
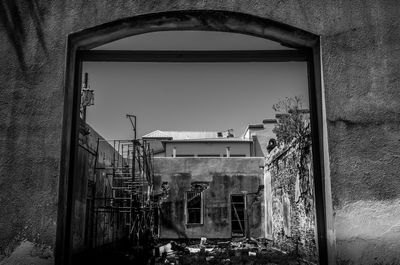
(247, 251)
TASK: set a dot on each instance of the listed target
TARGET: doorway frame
(80, 43)
(245, 219)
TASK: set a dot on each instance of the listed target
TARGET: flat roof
(269, 121)
(181, 135)
(255, 126)
(233, 140)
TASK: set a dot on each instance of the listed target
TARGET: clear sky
(189, 96)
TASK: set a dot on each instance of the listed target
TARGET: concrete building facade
(260, 134)
(228, 147)
(199, 144)
(230, 197)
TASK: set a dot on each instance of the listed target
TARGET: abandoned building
(221, 193)
(351, 49)
(208, 197)
(212, 178)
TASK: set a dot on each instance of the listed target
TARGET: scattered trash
(193, 250)
(223, 244)
(209, 249)
(203, 241)
(235, 251)
(225, 261)
(165, 249)
(178, 247)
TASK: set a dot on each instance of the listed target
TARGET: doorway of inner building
(238, 223)
(87, 47)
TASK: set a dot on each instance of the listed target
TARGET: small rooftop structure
(264, 127)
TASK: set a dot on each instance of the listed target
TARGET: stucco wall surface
(360, 58)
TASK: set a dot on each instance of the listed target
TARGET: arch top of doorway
(206, 20)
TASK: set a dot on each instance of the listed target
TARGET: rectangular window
(184, 155)
(194, 207)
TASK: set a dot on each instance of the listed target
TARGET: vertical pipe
(246, 216)
(86, 81)
(85, 86)
(133, 173)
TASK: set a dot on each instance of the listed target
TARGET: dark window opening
(194, 207)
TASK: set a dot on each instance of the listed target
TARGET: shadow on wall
(15, 16)
(167, 223)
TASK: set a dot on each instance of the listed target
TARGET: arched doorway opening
(80, 44)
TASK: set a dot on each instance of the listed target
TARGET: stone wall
(360, 45)
(293, 209)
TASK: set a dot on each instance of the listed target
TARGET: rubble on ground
(248, 251)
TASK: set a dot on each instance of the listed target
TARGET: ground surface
(244, 252)
(269, 257)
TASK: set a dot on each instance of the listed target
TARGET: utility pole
(87, 96)
(133, 123)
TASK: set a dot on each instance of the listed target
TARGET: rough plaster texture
(225, 176)
(29, 253)
(360, 57)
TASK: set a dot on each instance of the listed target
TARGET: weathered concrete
(293, 200)
(225, 176)
(360, 58)
(90, 227)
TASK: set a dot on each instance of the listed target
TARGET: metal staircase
(129, 181)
